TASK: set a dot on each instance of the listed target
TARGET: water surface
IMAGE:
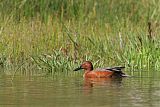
(26, 91)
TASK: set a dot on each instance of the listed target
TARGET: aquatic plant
(54, 36)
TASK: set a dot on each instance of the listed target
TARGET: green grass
(55, 36)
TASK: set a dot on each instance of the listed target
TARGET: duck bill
(79, 68)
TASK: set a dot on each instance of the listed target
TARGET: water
(25, 91)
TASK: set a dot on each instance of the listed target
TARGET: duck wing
(116, 69)
(112, 69)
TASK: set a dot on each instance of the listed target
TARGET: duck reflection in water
(107, 83)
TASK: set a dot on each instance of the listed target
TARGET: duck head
(87, 66)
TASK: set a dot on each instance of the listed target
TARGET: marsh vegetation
(54, 36)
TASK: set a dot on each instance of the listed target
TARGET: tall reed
(54, 36)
